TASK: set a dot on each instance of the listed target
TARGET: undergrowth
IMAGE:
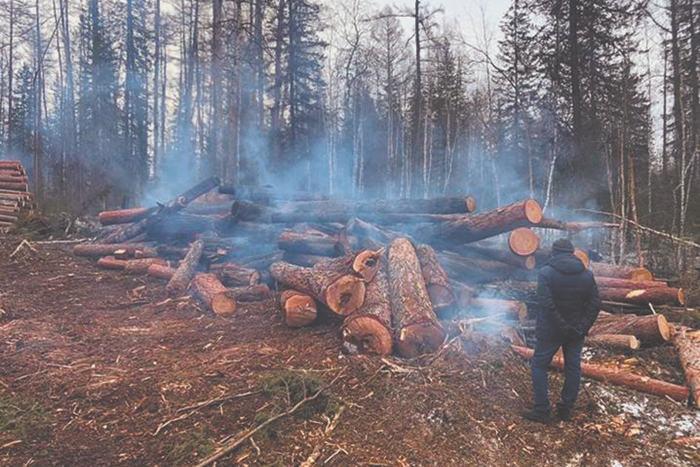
(195, 443)
(24, 418)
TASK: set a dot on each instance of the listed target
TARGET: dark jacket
(568, 299)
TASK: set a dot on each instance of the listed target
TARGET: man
(569, 305)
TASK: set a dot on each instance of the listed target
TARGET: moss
(24, 418)
(195, 443)
(288, 388)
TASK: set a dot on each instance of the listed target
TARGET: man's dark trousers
(544, 351)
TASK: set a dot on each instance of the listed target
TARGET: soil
(103, 369)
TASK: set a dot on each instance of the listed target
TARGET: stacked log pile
(395, 274)
(15, 197)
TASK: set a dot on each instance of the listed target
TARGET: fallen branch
(240, 440)
(316, 453)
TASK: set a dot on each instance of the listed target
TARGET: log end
(222, 304)
(523, 241)
(346, 295)
(641, 274)
(664, 328)
(419, 339)
(368, 334)
(366, 263)
(583, 256)
(634, 343)
(299, 309)
(470, 201)
(533, 211)
(440, 296)
(681, 297)
(530, 262)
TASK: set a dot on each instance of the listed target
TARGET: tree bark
(369, 328)
(649, 329)
(109, 262)
(177, 285)
(315, 243)
(212, 293)
(619, 377)
(233, 274)
(249, 293)
(416, 328)
(655, 295)
(471, 228)
(125, 216)
(617, 283)
(99, 249)
(160, 271)
(140, 266)
(689, 353)
(332, 282)
(622, 272)
(574, 227)
(436, 280)
(302, 259)
(614, 341)
(298, 309)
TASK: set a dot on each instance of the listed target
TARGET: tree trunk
(331, 282)
(416, 328)
(140, 266)
(357, 208)
(689, 353)
(212, 293)
(619, 377)
(523, 241)
(312, 243)
(617, 283)
(249, 293)
(436, 280)
(574, 227)
(177, 285)
(369, 328)
(181, 225)
(233, 274)
(471, 228)
(649, 329)
(298, 309)
(504, 256)
(622, 272)
(478, 271)
(160, 271)
(125, 216)
(109, 262)
(614, 341)
(655, 295)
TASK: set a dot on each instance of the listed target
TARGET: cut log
(654, 295)
(109, 262)
(622, 272)
(523, 241)
(583, 256)
(309, 243)
(357, 208)
(161, 271)
(649, 329)
(331, 282)
(140, 266)
(366, 263)
(416, 328)
(436, 280)
(190, 195)
(233, 274)
(98, 249)
(185, 272)
(124, 216)
(298, 309)
(617, 283)
(614, 341)
(212, 293)
(126, 233)
(249, 293)
(471, 228)
(369, 328)
(574, 227)
(511, 308)
(301, 259)
(476, 271)
(6, 218)
(689, 353)
(10, 164)
(496, 254)
(14, 180)
(14, 186)
(183, 226)
(619, 377)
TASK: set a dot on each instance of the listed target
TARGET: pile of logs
(15, 197)
(398, 275)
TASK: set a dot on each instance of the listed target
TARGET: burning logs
(369, 328)
(332, 282)
(416, 327)
(649, 329)
(619, 377)
(689, 353)
(471, 228)
(654, 295)
(212, 293)
(622, 272)
(436, 280)
(185, 272)
(298, 309)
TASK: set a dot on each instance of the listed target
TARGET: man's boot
(564, 414)
(536, 416)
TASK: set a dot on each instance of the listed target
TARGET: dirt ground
(102, 369)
